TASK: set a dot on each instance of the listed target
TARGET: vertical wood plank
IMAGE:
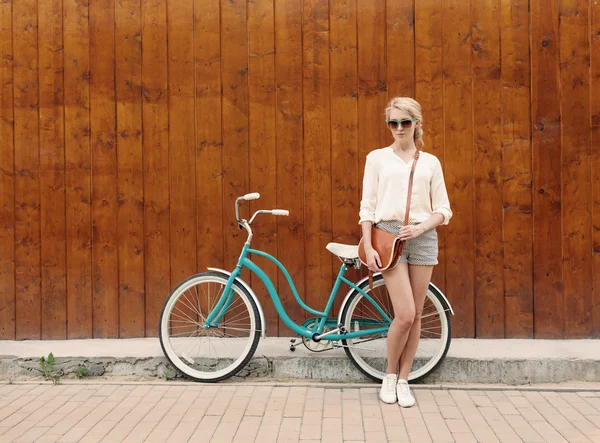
(546, 145)
(290, 161)
(104, 170)
(576, 167)
(489, 264)
(155, 141)
(400, 48)
(372, 71)
(78, 169)
(235, 108)
(52, 170)
(458, 152)
(517, 173)
(27, 163)
(182, 159)
(429, 93)
(346, 175)
(372, 76)
(595, 158)
(7, 177)
(209, 159)
(128, 78)
(262, 152)
(317, 152)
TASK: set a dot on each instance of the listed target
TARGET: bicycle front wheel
(209, 353)
(369, 352)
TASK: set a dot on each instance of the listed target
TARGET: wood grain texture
(182, 155)
(209, 144)
(372, 76)
(516, 165)
(400, 45)
(105, 259)
(458, 163)
(346, 175)
(27, 165)
(262, 144)
(290, 158)
(317, 152)
(129, 128)
(429, 92)
(155, 143)
(128, 80)
(547, 153)
(52, 170)
(576, 167)
(209, 138)
(595, 159)
(78, 170)
(7, 177)
(235, 109)
(372, 71)
(487, 169)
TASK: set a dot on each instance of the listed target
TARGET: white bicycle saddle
(343, 251)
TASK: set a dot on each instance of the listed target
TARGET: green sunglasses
(405, 123)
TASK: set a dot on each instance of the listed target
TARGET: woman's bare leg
(398, 286)
(420, 276)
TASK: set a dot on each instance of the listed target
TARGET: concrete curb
(336, 369)
(512, 362)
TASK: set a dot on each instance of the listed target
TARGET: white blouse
(385, 185)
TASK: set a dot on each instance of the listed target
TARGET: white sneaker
(405, 398)
(387, 394)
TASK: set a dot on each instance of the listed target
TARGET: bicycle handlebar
(252, 196)
(246, 224)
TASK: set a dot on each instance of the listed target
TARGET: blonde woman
(385, 187)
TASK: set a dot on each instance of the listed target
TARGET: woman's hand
(373, 260)
(409, 232)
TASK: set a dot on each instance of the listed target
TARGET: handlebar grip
(252, 196)
(280, 212)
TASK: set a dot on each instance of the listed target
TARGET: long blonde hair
(412, 108)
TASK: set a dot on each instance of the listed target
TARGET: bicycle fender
(366, 279)
(441, 294)
(261, 313)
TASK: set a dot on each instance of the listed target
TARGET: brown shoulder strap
(410, 183)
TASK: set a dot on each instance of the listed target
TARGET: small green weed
(81, 371)
(50, 372)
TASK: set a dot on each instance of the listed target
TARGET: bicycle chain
(304, 340)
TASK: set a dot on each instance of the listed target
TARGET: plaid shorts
(422, 250)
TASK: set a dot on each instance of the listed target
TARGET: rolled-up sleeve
(439, 195)
(369, 193)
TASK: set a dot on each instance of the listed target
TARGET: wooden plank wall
(128, 128)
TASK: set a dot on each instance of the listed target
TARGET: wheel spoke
(214, 353)
(371, 358)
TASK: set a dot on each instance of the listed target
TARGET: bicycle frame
(219, 310)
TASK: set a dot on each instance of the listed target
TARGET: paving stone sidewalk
(287, 412)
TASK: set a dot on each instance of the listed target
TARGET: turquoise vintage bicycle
(211, 322)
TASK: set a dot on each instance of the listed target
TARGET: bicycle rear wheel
(204, 353)
(369, 352)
